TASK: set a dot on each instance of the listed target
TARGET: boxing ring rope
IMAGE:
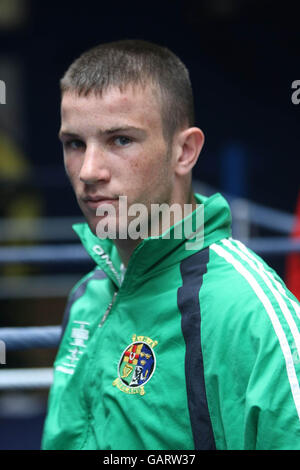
(76, 254)
(29, 337)
(50, 254)
(26, 379)
(22, 338)
(245, 213)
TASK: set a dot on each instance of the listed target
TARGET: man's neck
(126, 248)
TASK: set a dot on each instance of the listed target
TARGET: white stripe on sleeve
(291, 373)
(276, 292)
(295, 305)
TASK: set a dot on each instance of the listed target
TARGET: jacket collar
(209, 223)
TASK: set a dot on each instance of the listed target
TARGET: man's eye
(73, 144)
(122, 141)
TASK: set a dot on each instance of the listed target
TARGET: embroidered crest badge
(136, 365)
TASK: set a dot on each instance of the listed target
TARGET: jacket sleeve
(250, 338)
(272, 399)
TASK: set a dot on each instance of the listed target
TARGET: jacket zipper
(86, 397)
(107, 310)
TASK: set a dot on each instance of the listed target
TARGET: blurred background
(243, 56)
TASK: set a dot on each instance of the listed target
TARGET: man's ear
(188, 146)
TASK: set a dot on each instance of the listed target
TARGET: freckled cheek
(141, 177)
(145, 167)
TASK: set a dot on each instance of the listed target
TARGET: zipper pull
(107, 310)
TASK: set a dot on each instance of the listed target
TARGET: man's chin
(92, 223)
(92, 228)
(115, 228)
(104, 227)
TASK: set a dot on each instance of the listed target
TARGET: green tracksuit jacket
(195, 349)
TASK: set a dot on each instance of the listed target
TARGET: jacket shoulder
(78, 291)
(239, 277)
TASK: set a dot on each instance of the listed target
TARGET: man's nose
(94, 167)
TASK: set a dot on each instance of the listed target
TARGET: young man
(171, 342)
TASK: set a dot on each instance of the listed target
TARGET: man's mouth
(95, 201)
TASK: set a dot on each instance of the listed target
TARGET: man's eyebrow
(63, 133)
(113, 130)
(116, 129)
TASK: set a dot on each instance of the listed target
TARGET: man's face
(114, 146)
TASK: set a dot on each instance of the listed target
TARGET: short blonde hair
(125, 62)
